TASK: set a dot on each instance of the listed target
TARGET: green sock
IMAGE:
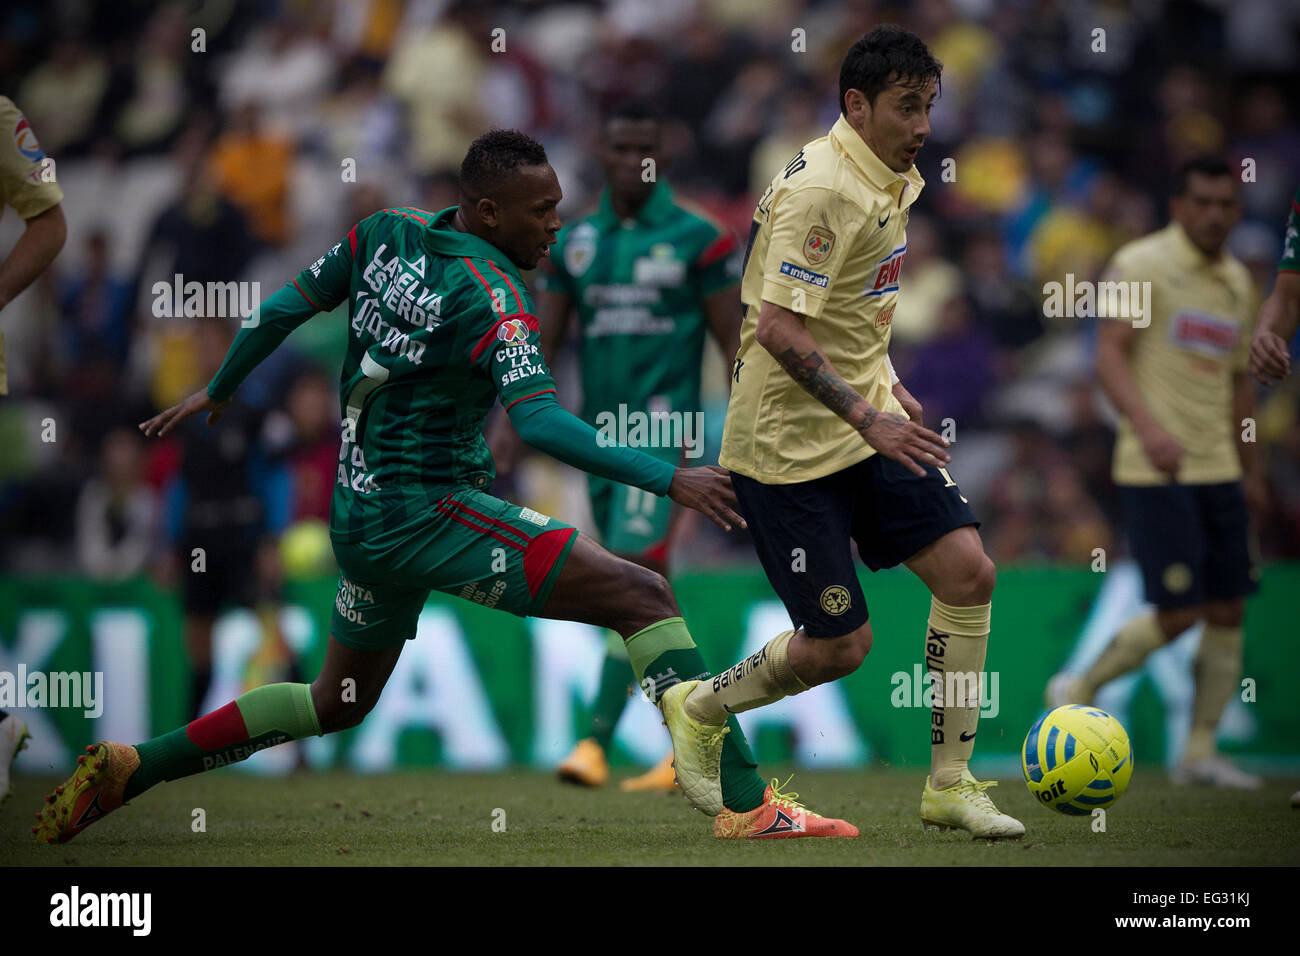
(665, 653)
(261, 718)
(616, 686)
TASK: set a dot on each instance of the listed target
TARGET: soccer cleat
(1295, 800)
(659, 777)
(92, 792)
(697, 750)
(13, 738)
(586, 765)
(967, 807)
(1215, 771)
(1062, 690)
(779, 817)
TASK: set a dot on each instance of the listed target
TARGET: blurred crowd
(240, 140)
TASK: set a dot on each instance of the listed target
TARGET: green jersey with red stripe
(441, 325)
(1291, 241)
(639, 287)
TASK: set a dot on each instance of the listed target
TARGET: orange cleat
(92, 792)
(660, 777)
(779, 817)
(586, 765)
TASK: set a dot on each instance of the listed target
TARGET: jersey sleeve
(811, 231)
(504, 343)
(1291, 239)
(318, 288)
(24, 180)
(718, 266)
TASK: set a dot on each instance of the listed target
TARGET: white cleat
(697, 750)
(1215, 771)
(967, 807)
(1062, 690)
(13, 738)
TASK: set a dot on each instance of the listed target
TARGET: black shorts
(228, 577)
(1191, 541)
(802, 533)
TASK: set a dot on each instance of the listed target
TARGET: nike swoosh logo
(881, 222)
(965, 736)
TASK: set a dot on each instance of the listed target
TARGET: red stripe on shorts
(479, 528)
(542, 554)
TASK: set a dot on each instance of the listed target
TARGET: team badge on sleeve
(817, 247)
(512, 330)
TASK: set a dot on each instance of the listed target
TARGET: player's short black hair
(493, 157)
(888, 54)
(1212, 166)
(633, 109)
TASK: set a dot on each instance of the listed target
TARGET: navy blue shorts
(1191, 541)
(802, 533)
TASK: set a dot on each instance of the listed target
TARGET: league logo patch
(512, 330)
(818, 245)
(25, 141)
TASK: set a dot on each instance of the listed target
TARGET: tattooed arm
(785, 336)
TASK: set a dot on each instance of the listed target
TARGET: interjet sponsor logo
(84, 689)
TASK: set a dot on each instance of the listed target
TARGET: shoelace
(711, 742)
(973, 793)
(788, 801)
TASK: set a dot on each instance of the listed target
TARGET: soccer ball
(1077, 758)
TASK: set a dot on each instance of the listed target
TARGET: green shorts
(632, 521)
(471, 545)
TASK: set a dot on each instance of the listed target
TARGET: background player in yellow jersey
(814, 399)
(1184, 474)
(26, 186)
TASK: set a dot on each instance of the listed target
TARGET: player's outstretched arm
(709, 491)
(785, 336)
(1279, 318)
(42, 238)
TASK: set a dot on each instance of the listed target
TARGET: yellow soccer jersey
(827, 241)
(1202, 314)
(22, 184)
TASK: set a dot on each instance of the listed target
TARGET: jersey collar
(443, 239)
(655, 211)
(903, 187)
(1186, 250)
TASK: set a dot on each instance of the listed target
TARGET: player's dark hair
(1214, 167)
(888, 54)
(493, 157)
(634, 109)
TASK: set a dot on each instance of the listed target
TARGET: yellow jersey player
(26, 185)
(1279, 318)
(1178, 377)
(826, 447)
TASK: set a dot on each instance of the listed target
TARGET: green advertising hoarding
(482, 689)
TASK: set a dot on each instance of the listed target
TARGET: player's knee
(1173, 621)
(652, 595)
(337, 709)
(843, 655)
(984, 575)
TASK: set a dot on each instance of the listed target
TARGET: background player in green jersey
(647, 274)
(441, 327)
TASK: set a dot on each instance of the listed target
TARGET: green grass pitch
(436, 818)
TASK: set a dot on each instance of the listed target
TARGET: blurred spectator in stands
(929, 282)
(305, 435)
(1088, 443)
(95, 306)
(252, 166)
(1007, 308)
(951, 374)
(284, 69)
(117, 513)
(63, 95)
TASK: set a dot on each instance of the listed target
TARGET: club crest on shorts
(1177, 578)
(836, 600)
(818, 245)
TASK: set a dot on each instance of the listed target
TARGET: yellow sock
(762, 678)
(1218, 674)
(1127, 650)
(955, 646)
